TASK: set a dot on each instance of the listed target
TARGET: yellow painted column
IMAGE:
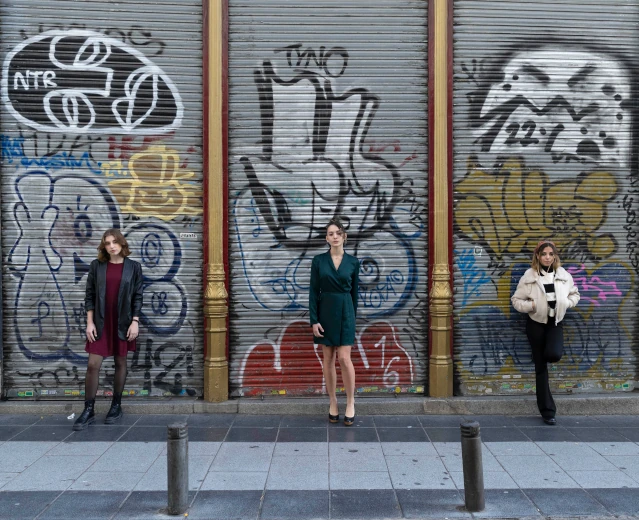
(441, 309)
(216, 370)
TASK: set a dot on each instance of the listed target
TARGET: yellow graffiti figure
(157, 186)
(507, 211)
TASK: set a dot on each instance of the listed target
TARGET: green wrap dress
(332, 299)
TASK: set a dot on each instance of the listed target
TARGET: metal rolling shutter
(101, 127)
(545, 101)
(327, 117)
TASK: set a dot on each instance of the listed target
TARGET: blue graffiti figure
(50, 257)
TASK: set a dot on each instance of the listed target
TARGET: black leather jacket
(129, 296)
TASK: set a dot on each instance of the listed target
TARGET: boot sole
(113, 420)
(80, 427)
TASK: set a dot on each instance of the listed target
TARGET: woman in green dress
(333, 309)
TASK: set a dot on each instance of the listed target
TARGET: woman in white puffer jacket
(545, 292)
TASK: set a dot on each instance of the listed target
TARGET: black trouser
(547, 343)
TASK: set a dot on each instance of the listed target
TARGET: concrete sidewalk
(299, 467)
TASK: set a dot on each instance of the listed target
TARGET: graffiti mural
(549, 156)
(327, 143)
(96, 135)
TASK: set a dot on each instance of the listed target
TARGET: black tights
(93, 375)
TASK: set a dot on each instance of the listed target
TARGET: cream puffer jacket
(531, 289)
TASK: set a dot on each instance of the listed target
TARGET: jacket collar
(532, 276)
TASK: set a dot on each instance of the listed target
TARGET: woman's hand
(133, 331)
(91, 332)
(534, 306)
(317, 329)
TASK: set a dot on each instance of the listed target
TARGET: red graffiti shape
(292, 363)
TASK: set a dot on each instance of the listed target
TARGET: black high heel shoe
(333, 418)
(348, 421)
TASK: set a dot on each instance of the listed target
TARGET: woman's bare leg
(330, 377)
(348, 375)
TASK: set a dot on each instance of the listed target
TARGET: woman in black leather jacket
(113, 302)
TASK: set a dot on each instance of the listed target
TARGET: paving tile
(356, 457)
(302, 435)
(243, 457)
(492, 480)
(443, 434)
(451, 455)
(295, 505)
(252, 434)
(617, 501)
(527, 420)
(51, 473)
(6, 478)
(550, 434)
(17, 456)
(441, 421)
(45, 433)
(513, 448)
(7, 432)
(257, 421)
(85, 504)
(298, 473)
(107, 481)
(161, 420)
(223, 505)
(598, 435)
(615, 448)
(304, 421)
(352, 434)
(207, 434)
(621, 421)
(59, 419)
(239, 480)
(73, 448)
(360, 480)
(396, 421)
(200, 449)
(211, 420)
(602, 479)
(142, 505)
(507, 503)
(431, 503)
(361, 421)
(296, 449)
(129, 456)
(507, 434)
(392, 449)
(104, 434)
(631, 434)
(10, 419)
(145, 434)
(490, 421)
(565, 502)
(128, 419)
(155, 479)
(358, 503)
(402, 435)
(576, 456)
(25, 505)
(579, 421)
(418, 472)
(536, 472)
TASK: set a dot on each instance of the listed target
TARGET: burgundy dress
(109, 343)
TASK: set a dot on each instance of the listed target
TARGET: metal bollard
(177, 462)
(473, 470)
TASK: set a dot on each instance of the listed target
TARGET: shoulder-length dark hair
(536, 264)
(103, 255)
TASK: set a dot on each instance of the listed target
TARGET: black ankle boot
(86, 417)
(115, 412)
